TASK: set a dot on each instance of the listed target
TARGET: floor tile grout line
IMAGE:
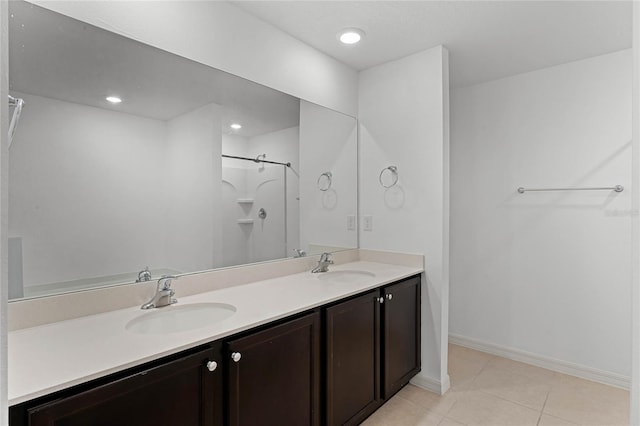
(422, 408)
(472, 381)
(542, 409)
(535, 380)
(552, 382)
(479, 372)
(555, 372)
(451, 408)
(507, 400)
(514, 370)
(546, 382)
(572, 421)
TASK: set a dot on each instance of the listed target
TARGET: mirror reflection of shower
(17, 105)
(249, 233)
(260, 160)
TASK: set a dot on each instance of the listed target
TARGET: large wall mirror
(194, 168)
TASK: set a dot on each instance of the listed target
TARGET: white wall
(548, 273)
(328, 143)
(234, 145)
(193, 177)
(213, 32)
(82, 181)
(403, 112)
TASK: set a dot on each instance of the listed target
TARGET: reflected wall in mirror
(98, 191)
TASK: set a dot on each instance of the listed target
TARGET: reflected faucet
(144, 275)
(299, 253)
(323, 263)
(164, 294)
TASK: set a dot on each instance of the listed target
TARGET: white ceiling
(54, 56)
(58, 57)
(486, 39)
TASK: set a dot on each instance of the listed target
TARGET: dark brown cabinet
(180, 392)
(372, 350)
(401, 341)
(353, 359)
(334, 365)
(274, 375)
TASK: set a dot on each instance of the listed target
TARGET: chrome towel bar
(617, 188)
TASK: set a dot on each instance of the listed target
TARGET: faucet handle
(144, 275)
(326, 257)
(164, 283)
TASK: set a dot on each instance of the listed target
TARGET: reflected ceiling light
(236, 126)
(113, 99)
(350, 35)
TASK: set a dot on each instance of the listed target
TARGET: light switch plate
(367, 223)
(351, 222)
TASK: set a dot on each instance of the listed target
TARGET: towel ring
(324, 184)
(393, 170)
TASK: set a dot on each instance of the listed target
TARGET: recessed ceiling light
(236, 126)
(350, 35)
(113, 99)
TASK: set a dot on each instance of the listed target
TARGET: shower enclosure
(260, 209)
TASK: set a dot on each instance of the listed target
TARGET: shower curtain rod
(256, 160)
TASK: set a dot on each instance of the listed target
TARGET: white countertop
(55, 356)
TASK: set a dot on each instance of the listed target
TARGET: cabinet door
(401, 324)
(180, 392)
(274, 375)
(353, 361)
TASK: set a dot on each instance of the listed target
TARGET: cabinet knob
(212, 365)
(389, 296)
(236, 356)
(380, 299)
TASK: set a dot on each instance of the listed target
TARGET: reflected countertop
(59, 355)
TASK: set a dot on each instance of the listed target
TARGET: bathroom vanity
(299, 349)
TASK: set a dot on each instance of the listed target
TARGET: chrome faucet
(299, 253)
(164, 294)
(144, 275)
(323, 263)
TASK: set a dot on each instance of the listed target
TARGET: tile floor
(494, 391)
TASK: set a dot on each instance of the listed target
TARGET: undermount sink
(177, 318)
(346, 276)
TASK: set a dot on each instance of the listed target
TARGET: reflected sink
(347, 277)
(177, 318)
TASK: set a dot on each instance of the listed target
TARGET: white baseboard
(431, 384)
(570, 368)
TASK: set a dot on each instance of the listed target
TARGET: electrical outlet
(351, 222)
(368, 223)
